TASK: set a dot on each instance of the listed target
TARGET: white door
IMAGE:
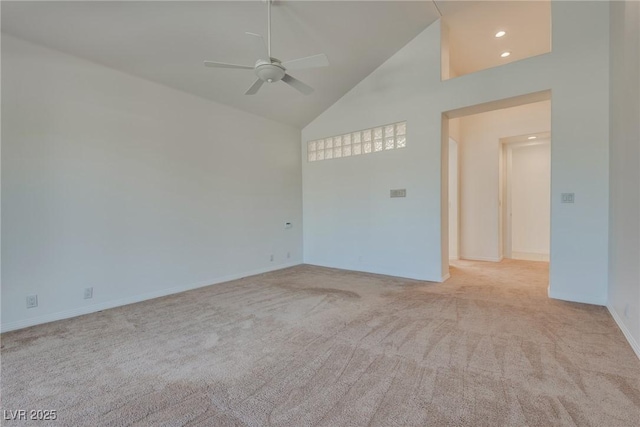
(453, 199)
(529, 182)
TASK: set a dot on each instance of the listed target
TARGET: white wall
(529, 200)
(349, 220)
(346, 205)
(480, 190)
(137, 190)
(624, 228)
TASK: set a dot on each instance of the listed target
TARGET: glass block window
(381, 138)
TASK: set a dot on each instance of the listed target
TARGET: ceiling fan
(271, 70)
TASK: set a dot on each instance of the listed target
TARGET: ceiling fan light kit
(269, 69)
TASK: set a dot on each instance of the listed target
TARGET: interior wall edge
(572, 297)
(618, 319)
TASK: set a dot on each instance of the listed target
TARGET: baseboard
(445, 277)
(572, 298)
(66, 314)
(382, 272)
(481, 258)
(632, 342)
(530, 256)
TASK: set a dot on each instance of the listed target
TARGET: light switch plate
(568, 197)
(402, 192)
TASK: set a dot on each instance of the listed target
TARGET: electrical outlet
(88, 293)
(32, 301)
(568, 197)
(271, 258)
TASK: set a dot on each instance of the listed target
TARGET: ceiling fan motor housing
(270, 72)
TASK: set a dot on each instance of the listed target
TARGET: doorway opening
(496, 180)
(526, 192)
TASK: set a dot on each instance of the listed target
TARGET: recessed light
(505, 54)
(532, 137)
(500, 33)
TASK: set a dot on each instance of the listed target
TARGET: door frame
(507, 146)
(515, 101)
(457, 195)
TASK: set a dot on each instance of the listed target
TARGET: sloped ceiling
(166, 42)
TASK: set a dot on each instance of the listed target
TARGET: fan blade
(254, 87)
(314, 61)
(259, 47)
(297, 84)
(223, 65)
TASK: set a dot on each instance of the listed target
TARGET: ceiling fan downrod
(269, 27)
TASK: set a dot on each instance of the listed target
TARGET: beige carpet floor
(315, 346)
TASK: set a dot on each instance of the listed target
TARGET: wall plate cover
(402, 192)
(32, 301)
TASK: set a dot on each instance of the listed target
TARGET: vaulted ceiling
(166, 42)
